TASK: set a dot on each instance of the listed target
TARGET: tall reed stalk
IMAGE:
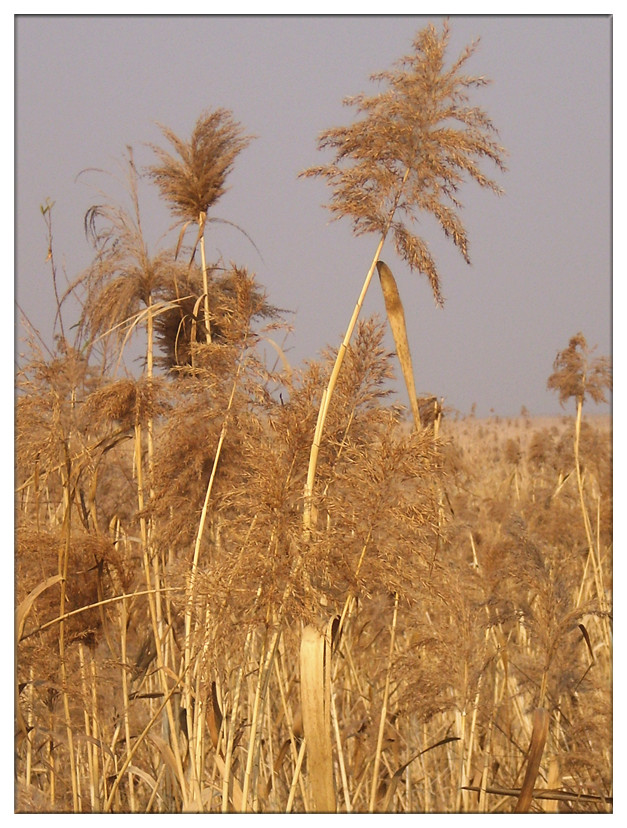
(577, 376)
(194, 179)
(398, 161)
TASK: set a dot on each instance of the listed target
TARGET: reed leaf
(536, 749)
(396, 317)
(26, 605)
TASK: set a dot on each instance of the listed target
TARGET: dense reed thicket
(252, 587)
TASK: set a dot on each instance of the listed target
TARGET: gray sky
(86, 87)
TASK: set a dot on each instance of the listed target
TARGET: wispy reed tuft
(414, 146)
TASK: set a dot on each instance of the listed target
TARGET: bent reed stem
(309, 513)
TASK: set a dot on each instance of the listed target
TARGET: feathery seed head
(415, 145)
(193, 179)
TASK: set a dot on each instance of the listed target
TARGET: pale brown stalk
(315, 682)
(384, 712)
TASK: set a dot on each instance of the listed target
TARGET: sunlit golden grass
(199, 629)
(480, 535)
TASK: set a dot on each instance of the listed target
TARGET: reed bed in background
(200, 629)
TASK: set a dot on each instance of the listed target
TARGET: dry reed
(438, 640)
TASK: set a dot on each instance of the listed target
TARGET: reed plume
(193, 179)
(416, 144)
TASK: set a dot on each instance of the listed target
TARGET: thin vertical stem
(230, 739)
(265, 665)
(89, 747)
(202, 220)
(63, 571)
(29, 723)
(125, 696)
(94, 724)
(199, 534)
(340, 753)
(295, 779)
(384, 711)
(153, 617)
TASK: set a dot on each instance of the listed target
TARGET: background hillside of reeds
(246, 586)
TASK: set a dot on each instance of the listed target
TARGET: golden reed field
(246, 586)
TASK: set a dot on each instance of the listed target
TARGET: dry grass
(480, 535)
(436, 639)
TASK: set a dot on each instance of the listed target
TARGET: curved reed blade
(26, 605)
(536, 748)
(396, 315)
